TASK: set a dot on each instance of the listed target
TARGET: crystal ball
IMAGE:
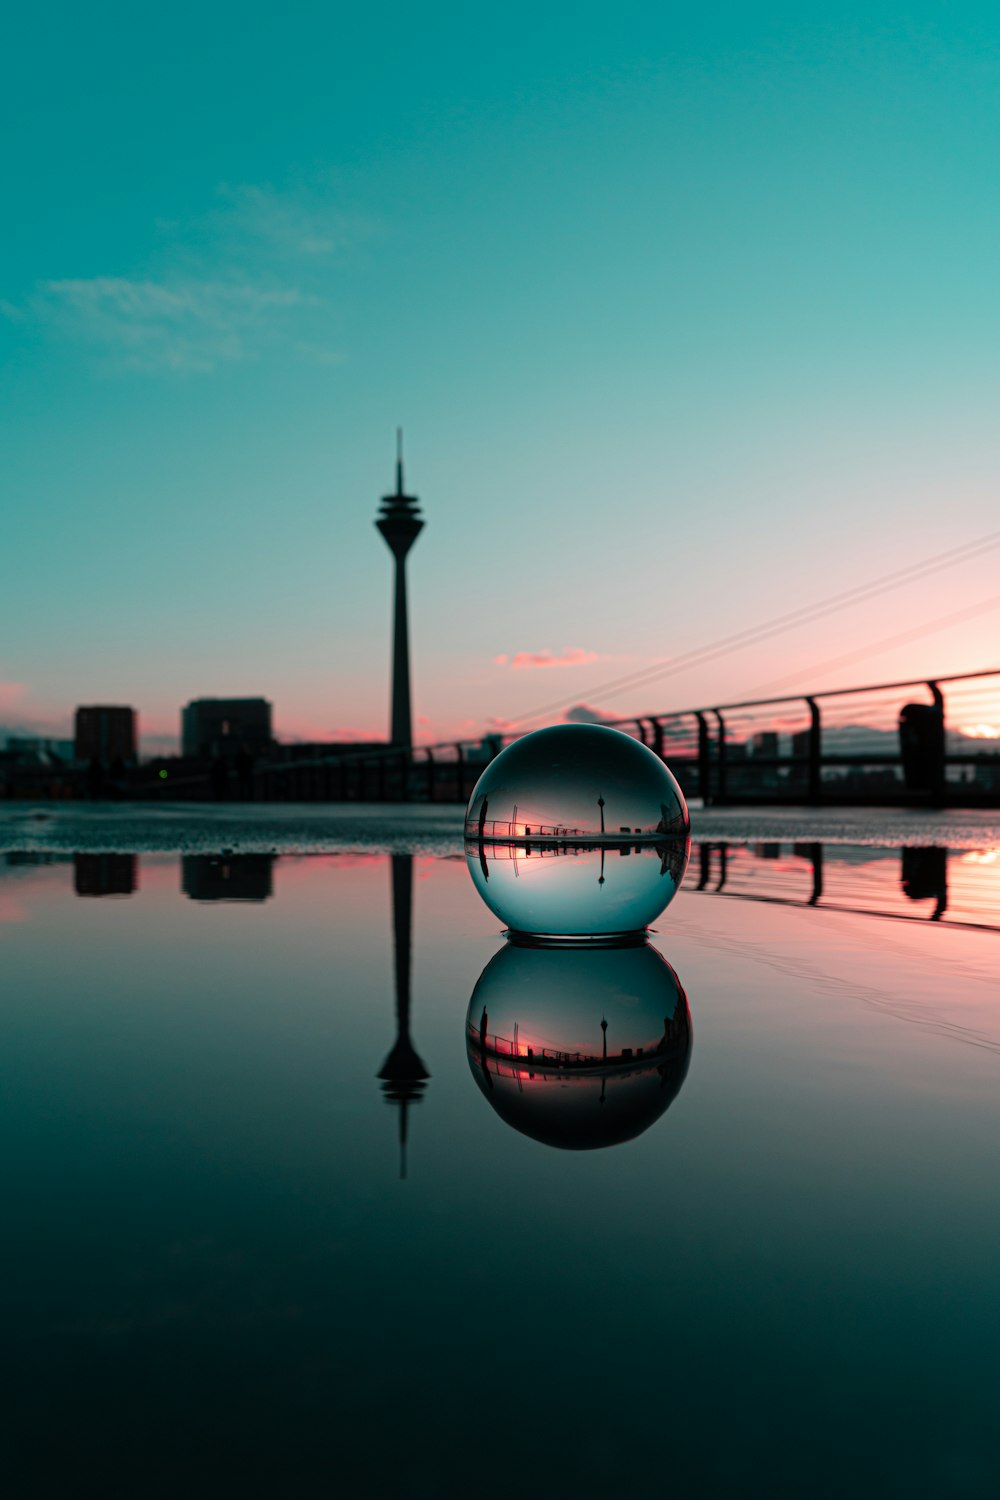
(578, 1047)
(577, 831)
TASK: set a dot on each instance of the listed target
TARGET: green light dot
(164, 775)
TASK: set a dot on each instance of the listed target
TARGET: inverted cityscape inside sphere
(579, 1048)
(576, 832)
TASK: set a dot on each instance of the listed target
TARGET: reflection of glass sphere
(577, 831)
(579, 1047)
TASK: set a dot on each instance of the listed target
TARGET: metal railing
(518, 1054)
(919, 742)
(932, 742)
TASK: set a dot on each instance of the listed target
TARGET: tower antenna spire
(399, 460)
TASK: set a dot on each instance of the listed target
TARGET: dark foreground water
(217, 1280)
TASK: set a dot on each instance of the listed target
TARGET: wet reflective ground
(766, 1265)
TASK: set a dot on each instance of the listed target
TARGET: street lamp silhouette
(400, 523)
(403, 1074)
(604, 1028)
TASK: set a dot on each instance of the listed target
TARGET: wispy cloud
(252, 274)
(304, 222)
(168, 325)
(573, 656)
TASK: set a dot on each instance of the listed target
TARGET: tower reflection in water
(577, 1046)
(403, 1074)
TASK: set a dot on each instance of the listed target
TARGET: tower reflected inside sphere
(577, 831)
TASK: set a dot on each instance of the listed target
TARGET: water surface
(236, 1259)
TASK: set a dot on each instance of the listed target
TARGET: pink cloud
(573, 656)
(21, 714)
(427, 731)
(293, 730)
(585, 713)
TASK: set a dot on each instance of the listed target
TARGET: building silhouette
(227, 877)
(105, 733)
(105, 874)
(400, 524)
(226, 726)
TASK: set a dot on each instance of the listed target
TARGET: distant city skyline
(690, 320)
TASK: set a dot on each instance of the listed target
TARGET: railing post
(815, 751)
(460, 754)
(722, 755)
(816, 856)
(938, 780)
(657, 729)
(704, 760)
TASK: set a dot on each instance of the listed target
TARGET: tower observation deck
(400, 523)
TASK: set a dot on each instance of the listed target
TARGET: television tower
(399, 522)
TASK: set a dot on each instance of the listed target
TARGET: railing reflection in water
(957, 888)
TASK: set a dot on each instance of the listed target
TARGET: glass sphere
(578, 1047)
(576, 781)
(576, 831)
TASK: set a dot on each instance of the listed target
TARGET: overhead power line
(878, 648)
(804, 615)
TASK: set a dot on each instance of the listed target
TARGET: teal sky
(690, 316)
